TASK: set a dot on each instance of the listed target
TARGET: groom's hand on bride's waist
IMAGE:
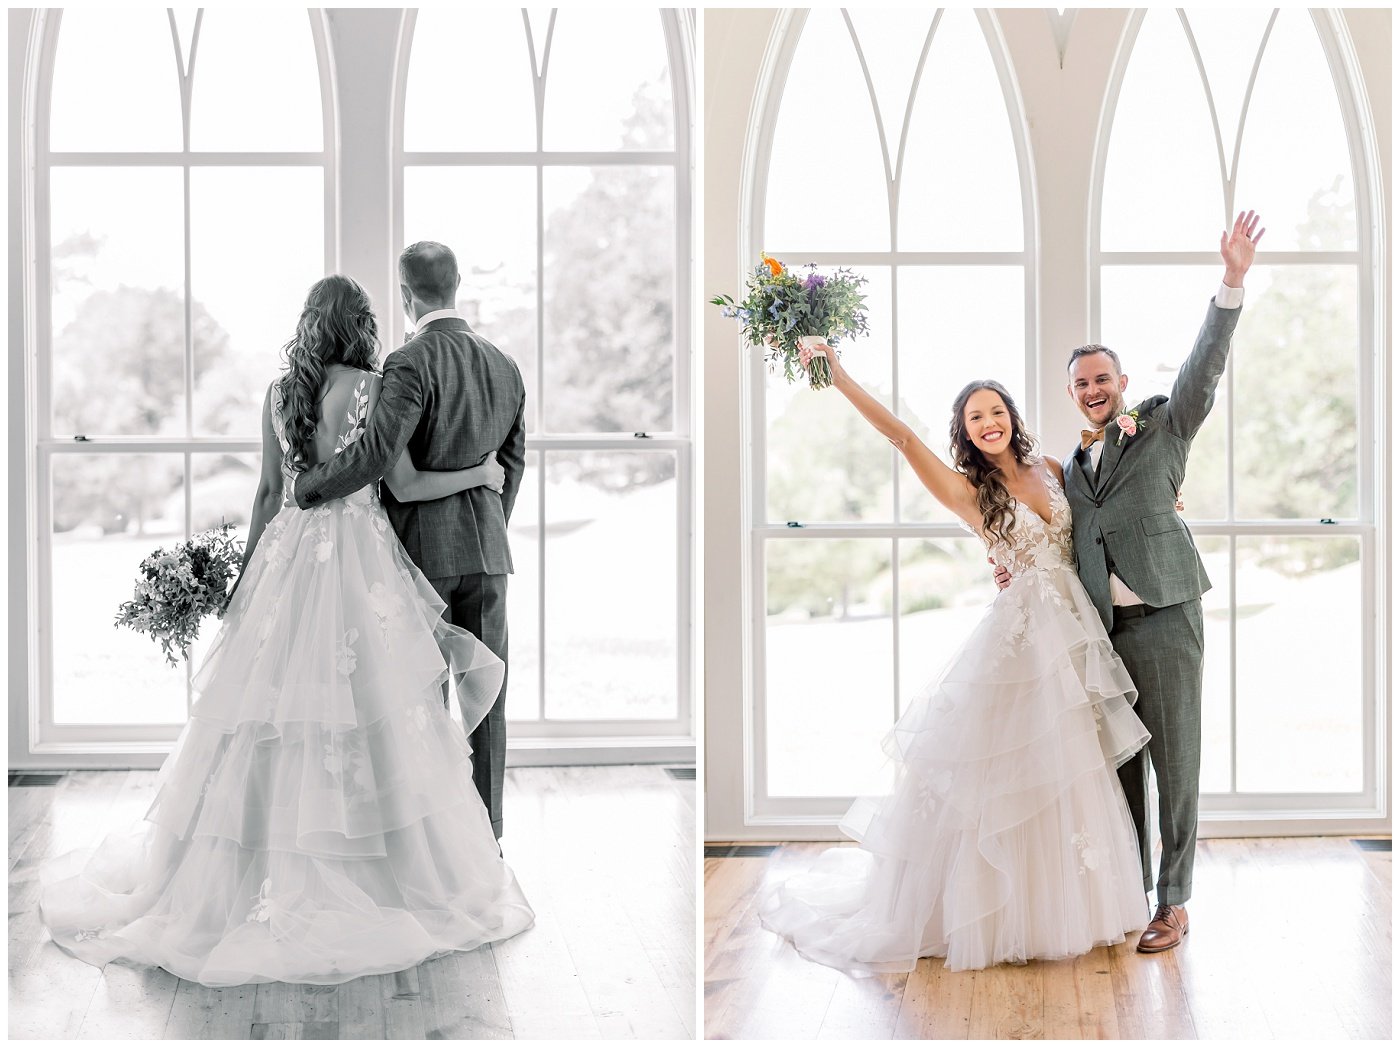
(1001, 576)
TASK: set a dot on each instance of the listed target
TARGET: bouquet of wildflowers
(782, 308)
(175, 590)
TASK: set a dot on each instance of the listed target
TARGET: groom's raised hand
(1237, 247)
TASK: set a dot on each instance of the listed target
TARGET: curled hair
(336, 326)
(993, 498)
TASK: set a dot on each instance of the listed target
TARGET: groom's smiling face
(1097, 387)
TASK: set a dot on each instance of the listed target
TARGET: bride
(1006, 835)
(316, 820)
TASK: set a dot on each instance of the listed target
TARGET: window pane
(824, 462)
(256, 85)
(1151, 316)
(829, 691)
(116, 83)
(609, 299)
(1296, 353)
(1294, 164)
(961, 186)
(486, 215)
(1162, 185)
(610, 579)
(462, 55)
(1215, 694)
(523, 598)
(956, 324)
(109, 513)
(945, 586)
(891, 41)
(1228, 39)
(118, 313)
(608, 85)
(245, 313)
(1299, 717)
(826, 193)
(221, 489)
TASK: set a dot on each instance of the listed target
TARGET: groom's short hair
(430, 271)
(1089, 350)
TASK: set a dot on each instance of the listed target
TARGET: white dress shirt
(1226, 298)
(437, 314)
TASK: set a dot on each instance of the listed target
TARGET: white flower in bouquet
(175, 590)
(781, 308)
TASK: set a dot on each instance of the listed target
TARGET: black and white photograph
(350, 465)
(1047, 541)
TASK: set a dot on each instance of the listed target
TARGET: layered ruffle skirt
(316, 820)
(1006, 835)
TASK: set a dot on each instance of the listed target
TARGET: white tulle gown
(1006, 836)
(316, 820)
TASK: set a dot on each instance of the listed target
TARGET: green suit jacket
(1125, 518)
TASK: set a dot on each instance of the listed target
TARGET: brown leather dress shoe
(1167, 927)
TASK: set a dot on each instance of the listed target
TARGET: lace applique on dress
(1035, 544)
(355, 416)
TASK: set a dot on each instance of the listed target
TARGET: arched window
(550, 151)
(171, 149)
(1216, 112)
(891, 143)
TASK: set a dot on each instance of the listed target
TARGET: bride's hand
(819, 349)
(494, 474)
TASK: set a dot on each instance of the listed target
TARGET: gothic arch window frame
(813, 813)
(1268, 812)
(679, 32)
(38, 735)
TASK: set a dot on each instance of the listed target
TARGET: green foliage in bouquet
(780, 307)
(175, 590)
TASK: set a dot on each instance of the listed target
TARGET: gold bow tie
(1089, 437)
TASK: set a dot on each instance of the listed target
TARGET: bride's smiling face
(988, 422)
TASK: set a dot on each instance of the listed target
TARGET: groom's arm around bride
(449, 398)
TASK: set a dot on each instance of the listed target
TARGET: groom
(451, 398)
(1140, 566)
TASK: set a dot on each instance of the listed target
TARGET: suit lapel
(1112, 451)
(1080, 458)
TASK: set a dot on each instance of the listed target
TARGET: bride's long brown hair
(336, 326)
(993, 499)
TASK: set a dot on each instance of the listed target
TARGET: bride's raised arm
(943, 482)
(410, 484)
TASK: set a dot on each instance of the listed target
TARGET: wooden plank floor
(1290, 938)
(606, 856)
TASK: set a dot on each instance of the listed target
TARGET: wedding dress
(316, 821)
(1006, 835)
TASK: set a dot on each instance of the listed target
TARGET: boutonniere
(1128, 424)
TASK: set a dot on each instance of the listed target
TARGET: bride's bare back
(340, 407)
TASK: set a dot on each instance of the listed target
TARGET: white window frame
(1252, 812)
(739, 812)
(760, 809)
(662, 739)
(41, 742)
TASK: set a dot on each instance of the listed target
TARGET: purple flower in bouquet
(781, 308)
